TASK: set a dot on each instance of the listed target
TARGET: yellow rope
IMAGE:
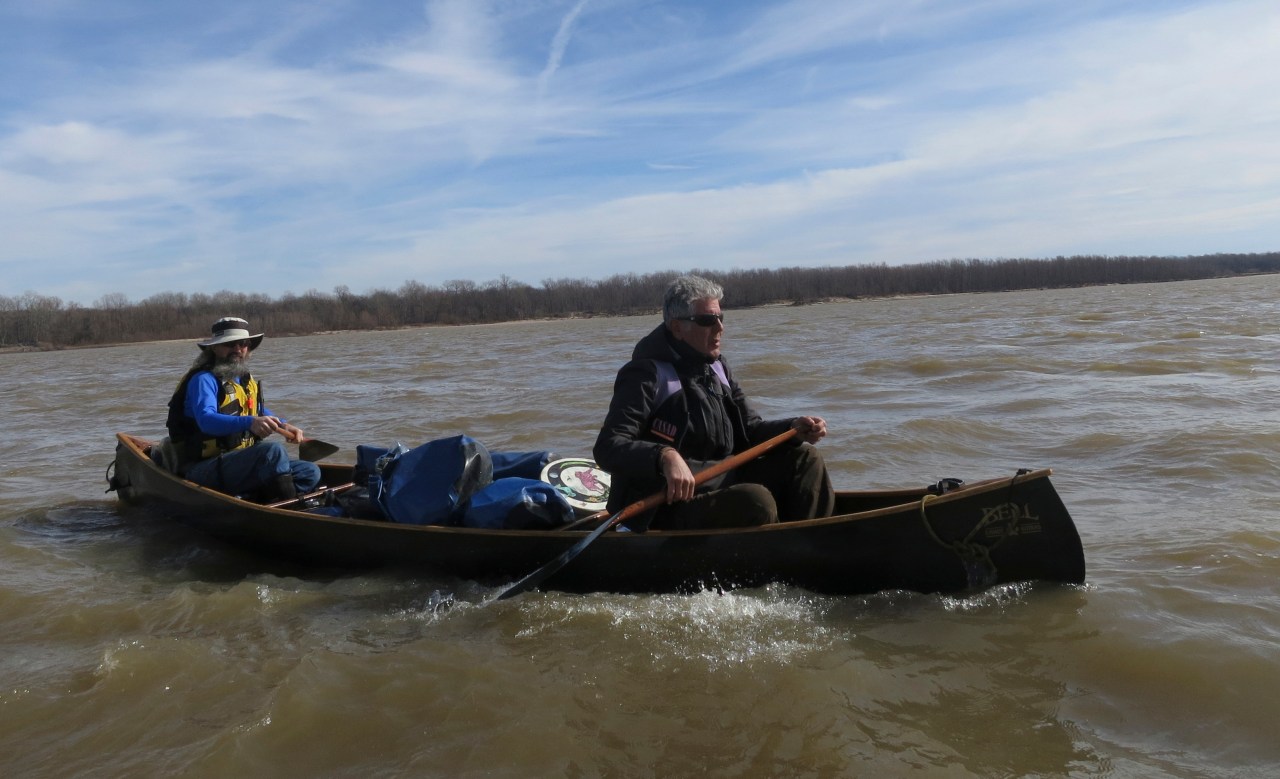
(976, 557)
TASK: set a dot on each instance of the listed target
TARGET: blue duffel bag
(524, 465)
(517, 504)
(432, 483)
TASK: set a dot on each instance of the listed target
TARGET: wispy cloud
(558, 44)
(155, 147)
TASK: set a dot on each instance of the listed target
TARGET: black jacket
(705, 420)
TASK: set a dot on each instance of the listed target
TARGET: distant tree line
(33, 321)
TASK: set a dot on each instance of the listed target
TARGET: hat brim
(231, 336)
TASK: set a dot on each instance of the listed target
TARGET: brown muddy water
(135, 648)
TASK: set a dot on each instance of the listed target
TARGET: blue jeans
(246, 470)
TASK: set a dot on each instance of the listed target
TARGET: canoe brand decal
(1009, 519)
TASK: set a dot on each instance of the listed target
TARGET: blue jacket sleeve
(202, 406)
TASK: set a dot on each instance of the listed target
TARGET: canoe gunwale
(909, 496)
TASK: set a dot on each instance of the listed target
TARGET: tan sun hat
(231, 328)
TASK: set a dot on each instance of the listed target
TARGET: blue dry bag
(524, 465)
(431, 484)
(517, 504)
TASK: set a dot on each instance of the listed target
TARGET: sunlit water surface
(134, 648)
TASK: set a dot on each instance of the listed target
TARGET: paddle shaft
(654, 500)
(317, 494)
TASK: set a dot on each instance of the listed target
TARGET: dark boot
(281, 488)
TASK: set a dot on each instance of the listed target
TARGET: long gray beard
(229, 369)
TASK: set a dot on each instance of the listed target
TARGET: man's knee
(808, 458)
(305, 475)
(273, 457)
(759, 503)
(745, 505)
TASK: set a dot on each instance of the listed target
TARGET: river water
(134, 648)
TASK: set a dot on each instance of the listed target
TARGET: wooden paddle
(309, 449)
(654, 500)
(313, 450)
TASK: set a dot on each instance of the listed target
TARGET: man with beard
(677, 410)
(218, 420)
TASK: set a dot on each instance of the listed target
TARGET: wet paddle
(654, 500)
(312, 450)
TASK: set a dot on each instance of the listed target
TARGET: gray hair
(204, 360)
(683, 292)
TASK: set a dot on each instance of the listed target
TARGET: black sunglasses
(702, 320)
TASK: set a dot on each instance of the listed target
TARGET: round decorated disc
(583, 483)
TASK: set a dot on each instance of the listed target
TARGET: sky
(279, 147)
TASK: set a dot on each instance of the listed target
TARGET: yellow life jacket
(236, 400)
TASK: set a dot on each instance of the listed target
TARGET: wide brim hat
(231, 328)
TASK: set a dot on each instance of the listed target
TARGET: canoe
(938, 538)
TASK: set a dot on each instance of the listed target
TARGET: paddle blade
(541, 575)
(312, 450)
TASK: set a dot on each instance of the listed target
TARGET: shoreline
(48, 347)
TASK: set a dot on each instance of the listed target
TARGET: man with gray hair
(677, 409)
(218, 419)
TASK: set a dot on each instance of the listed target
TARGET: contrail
(558, 45)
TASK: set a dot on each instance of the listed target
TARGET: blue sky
(274, 147)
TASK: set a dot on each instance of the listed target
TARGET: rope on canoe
(112, 483)
(980, 571)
